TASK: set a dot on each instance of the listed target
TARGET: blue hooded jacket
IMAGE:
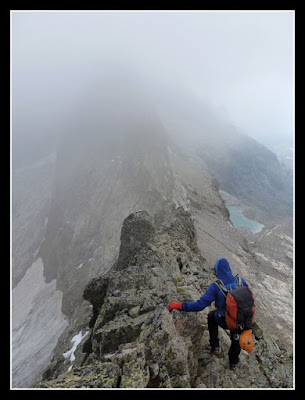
(223, 272)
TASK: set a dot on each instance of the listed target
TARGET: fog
(238, 63)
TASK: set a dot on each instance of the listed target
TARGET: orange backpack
(240, 307)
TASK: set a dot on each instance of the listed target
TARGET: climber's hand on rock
(177, 306)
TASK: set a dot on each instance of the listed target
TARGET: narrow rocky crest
(132, 341)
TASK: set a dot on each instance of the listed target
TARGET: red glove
(172, 305)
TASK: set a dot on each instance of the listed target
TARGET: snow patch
(76, 341)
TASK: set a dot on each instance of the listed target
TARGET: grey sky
(242, 61)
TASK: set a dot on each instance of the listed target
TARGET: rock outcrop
(132, 341)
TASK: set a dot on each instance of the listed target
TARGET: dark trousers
(214, 320)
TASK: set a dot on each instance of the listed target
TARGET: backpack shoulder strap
(222, 287)
(239, 281)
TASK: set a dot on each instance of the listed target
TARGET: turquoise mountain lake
(239, 220)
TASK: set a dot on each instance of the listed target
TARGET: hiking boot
(216, 352)
(233, 367)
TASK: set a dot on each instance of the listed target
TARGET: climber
(216, 317)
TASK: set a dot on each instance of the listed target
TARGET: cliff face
(249, 171)
(105, 168)
(132, 341)
(243, 167)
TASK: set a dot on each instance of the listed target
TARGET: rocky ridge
(106, 168)
(130, 338)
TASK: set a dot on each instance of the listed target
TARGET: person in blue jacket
(216, 317)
